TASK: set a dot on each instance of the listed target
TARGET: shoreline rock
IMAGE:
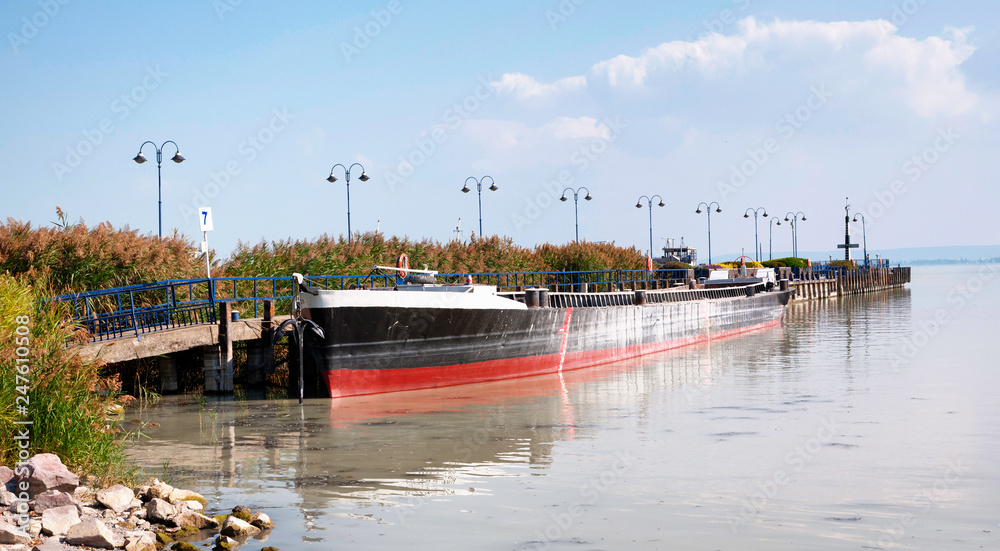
(47, 509)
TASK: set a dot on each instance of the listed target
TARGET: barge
(420, 334)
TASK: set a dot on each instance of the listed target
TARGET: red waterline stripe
(357, 382)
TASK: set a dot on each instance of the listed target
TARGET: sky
(790, 106)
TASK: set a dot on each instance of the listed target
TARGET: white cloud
(567, 128)
(505, 142)
(524, 87)
(930, 68)
(925, 73)
(509, 133)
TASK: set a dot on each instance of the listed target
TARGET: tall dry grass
(329, 256)
(71, 257)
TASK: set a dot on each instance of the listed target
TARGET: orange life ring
(649, 264)
(402, 265)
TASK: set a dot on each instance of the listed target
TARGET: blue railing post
(135, 322)
(211, 299)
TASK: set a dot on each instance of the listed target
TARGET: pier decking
(817, 285)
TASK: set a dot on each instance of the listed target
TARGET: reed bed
(333, 256)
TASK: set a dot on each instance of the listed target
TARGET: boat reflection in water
(382, 453)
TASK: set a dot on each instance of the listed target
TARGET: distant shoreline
(951, 261)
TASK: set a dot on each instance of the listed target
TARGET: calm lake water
(862, 423)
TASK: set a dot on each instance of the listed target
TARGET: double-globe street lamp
(479, 188)
(576, 202)
(347, 177)
(649, 201)
(756, 240)
(795, 230)
(864, 235)
(770, 238)
(708, 209)
(177, 158)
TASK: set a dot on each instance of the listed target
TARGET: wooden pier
(214, 341)
(209, 347)
(849, 282)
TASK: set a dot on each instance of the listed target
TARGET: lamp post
(638, 205)
(756, 240)
(576, 203)
(770, 238)
(864, 235)
(177, 158)
(708, 209)
(795, 230)
(347, 177)
(479, 188)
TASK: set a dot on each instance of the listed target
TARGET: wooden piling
(168, 374)
(218, 364)
(267, 328)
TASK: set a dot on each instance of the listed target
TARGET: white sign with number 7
(205, 218)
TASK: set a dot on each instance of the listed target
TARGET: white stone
(236, 528)
(158, 510)
(191, 518)
(262, 521)
(50, 499)
(13, 535)
(178, 494)
(58, 520)
(51, 544)
(226, 539)
(118, 498)
(160, 490)
(35, 527)
(190, 505)
(140, 541)
(92, 533)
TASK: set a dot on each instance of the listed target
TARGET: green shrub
(790, 261)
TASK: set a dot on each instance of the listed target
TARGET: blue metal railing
(138, 309)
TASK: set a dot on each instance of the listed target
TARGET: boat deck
(633, 298)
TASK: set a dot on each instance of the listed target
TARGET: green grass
(67, 398)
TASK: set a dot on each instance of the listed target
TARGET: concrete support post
(267, 329)
(168, 374)
(217, 379)
(257, 353)
(219, 359)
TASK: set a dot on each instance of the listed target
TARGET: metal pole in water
(302, 367)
